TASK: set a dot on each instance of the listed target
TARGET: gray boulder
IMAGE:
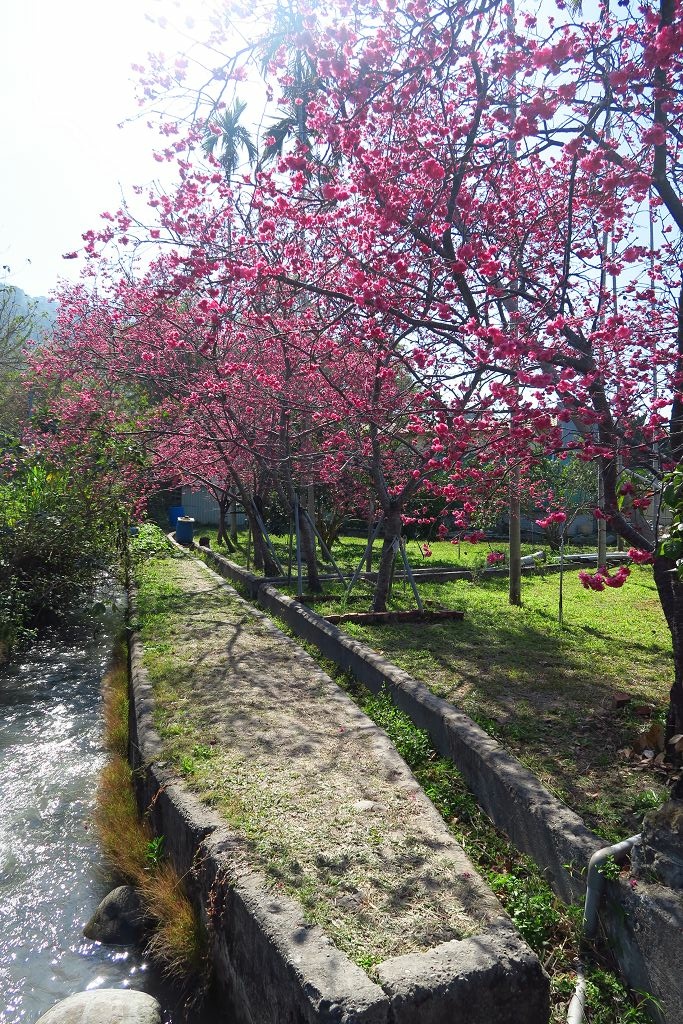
(105, 1006)
(118, 920)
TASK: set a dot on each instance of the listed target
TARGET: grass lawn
(348, 551)
(545, 692)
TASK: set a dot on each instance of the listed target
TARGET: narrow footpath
(323, 804)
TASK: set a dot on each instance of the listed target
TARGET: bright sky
(65, 85)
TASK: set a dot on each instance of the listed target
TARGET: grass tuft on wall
(178, 940)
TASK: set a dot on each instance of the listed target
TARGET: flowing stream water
(51, 871)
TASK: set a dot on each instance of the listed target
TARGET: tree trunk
(310, 501)
(233, 521)
(223, 537)
(515, 541)
(670, 591)
(602, 523)
(371, 530)
(392, 537)
(309, 553)
(263, 560)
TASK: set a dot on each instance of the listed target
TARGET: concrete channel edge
(273, 966)
(536, 822)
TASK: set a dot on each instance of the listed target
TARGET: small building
(203, 507)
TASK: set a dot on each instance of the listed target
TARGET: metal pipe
(595, 885)
(595, 882)
(578, 1002)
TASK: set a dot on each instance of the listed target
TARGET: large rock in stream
(105, 1006)
(118, 920)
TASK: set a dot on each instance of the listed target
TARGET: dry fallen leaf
(651, 739)
(677, 742)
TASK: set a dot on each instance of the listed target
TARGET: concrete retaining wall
(537, 822)
(271, 966)
(275, 968)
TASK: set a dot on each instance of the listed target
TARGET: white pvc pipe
(595, 883)
(578, 1003)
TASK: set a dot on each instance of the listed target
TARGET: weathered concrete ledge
(436, 575)
(275, 967)
(269, 963)
(641, 923)
(537, 822)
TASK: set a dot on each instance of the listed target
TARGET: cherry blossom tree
(445, 261)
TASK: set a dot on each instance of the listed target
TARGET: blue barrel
(174, 512)
(184, 529)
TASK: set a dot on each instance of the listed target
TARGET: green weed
(609, 869)
(154, 854)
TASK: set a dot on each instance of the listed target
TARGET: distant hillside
(24, 323)
(23, 319)
(15, 304)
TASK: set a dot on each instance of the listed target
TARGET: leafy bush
(149, 542)
(57, 533)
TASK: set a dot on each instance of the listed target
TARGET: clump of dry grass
(178, 941)
(125, 838)
(115, 702)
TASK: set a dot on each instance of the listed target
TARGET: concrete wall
(275, 968)
(203, 507)
(271, 966)
(644, 925)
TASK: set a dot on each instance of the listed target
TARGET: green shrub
(57, 534)
(149, 542)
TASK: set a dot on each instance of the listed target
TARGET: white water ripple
(51, 871)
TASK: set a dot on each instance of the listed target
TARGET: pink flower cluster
(426, 550)
(554, 517)
(601, 579)
(640, 557)
(475, 536)
(495, 557)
